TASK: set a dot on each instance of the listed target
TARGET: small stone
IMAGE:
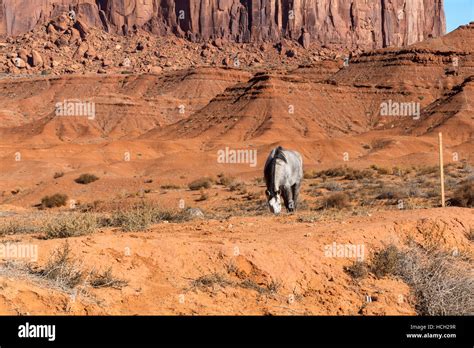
(107, 62)
(195, 212)
(156, 70)
(19, 63)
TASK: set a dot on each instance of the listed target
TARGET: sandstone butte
(354, 23)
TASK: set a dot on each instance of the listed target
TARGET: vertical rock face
(352, 23)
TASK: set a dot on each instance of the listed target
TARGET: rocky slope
(367, 24)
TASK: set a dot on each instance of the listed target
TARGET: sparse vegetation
(238, 186)
(464, 195)
(133, 219)
(442, 283)
(391, 192)
(347, 173)
(106, 279)
(211, 280)
(379, 144)
(170, 187)
(225, 180)
(141, 216)
(204, 196)
(337, 200)
(218, 280)
(85, 179)
(386, 261)
(71, 225)
(358, 270)
(331, 186)
(56, 200)
(61, 268)
(202, 183)
(381, 170)
(67, 272)
(15, 226)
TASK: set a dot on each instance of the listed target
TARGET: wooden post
(441, 169)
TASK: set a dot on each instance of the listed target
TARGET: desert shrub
(71, 225)
(337, 200)
(202, 183)
(56, 200)
(442, 283)
(470, 234)
(225, 180)
(204, 196)
(238, 186)
(380, 170)
(432, 193)
(133, 219)
(58, 175)
(85, 179)
(391, 192)
(427, 170)
(331, 186)
(358, 270)
(386, 261)
(379, 144)
(464, 195)
(356, 174)
(333, 172)
(15, 226)
(67, 272)
(211, 280)
(61, 268)
(170, 187)
(142, 215)
(106, 279)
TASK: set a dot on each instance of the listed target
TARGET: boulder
(36, 59)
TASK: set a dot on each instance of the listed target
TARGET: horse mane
(272, 166)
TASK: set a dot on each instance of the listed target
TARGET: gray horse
(283, 174)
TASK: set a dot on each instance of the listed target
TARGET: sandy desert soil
(246, 265)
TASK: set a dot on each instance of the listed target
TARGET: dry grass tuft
(336, 200)
(71, 225)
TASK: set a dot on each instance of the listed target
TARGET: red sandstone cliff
(363, 23)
